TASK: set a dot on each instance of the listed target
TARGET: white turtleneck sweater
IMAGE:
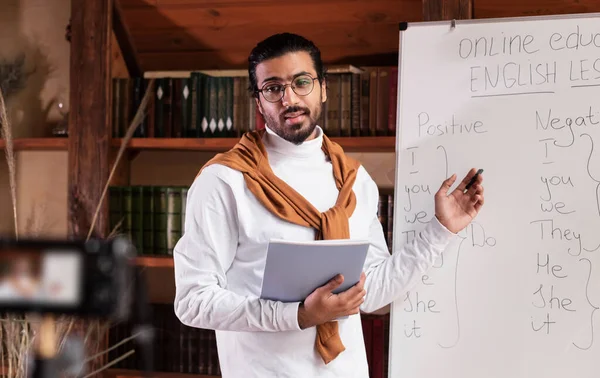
(220, 258)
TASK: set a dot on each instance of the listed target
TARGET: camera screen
(40, 278)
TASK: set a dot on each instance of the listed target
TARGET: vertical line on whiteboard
(587, 296)
(589, 172)
(445, 159)
(456, 297)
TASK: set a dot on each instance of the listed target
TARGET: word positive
(448, 127)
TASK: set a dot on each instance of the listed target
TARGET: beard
(297, 132)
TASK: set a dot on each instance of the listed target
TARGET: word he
(449, 127)
(554, 269)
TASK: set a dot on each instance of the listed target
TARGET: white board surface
(517, 294)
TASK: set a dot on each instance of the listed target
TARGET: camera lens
(105, 264)
(103, 295)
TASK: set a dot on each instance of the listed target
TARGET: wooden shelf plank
(350, 144)
(190, 144)
(136, 373)
(154, 261)
(20, 144)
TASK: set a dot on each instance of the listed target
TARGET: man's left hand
(456, 210)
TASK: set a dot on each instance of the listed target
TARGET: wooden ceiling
(210, 34)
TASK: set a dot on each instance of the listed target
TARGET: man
(290, 182)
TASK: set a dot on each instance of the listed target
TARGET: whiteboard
(516, 294)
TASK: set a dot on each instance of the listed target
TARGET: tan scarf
(250, 157)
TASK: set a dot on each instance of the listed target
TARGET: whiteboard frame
(451, 24)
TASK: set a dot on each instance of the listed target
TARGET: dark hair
(278, 45)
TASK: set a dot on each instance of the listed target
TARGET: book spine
(383, 101)
(160, 220)
(173, 218)
(355, 98)
(346, 105)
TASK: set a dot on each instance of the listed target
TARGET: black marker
(473, 179)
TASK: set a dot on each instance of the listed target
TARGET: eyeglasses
(302, 86)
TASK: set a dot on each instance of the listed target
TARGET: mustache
(294, 109)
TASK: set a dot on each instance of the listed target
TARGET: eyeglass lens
(302, 86)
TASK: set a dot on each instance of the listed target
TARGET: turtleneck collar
(308, 149)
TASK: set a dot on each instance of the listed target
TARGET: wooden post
(89, 116)
(438, 10)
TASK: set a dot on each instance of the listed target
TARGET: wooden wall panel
(242, 38)
(516, 8)
(268, 14)
(434, 10)
(178, 34)
(238, 59)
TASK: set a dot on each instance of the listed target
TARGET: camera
(93, 278)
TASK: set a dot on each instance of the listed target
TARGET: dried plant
(10, 158)
(13, 76)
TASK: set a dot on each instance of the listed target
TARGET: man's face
(293, 117)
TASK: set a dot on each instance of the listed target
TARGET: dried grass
(14, 330)
(13, 76)
(10, 159)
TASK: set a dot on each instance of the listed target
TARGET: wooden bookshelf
(52, 144)
(350, 144)
(154, 261)
(116, 373)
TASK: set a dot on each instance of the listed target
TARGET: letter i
(413, 160)
(546, 155)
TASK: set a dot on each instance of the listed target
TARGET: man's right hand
(322, 305)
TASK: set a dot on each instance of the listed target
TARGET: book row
(360, 102)
(153, 217)
(179, 348)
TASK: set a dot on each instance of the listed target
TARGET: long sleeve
(202, 257)
(390, 276)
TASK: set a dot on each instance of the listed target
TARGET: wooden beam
(90, 115)
(437, 10)
(125, 41)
